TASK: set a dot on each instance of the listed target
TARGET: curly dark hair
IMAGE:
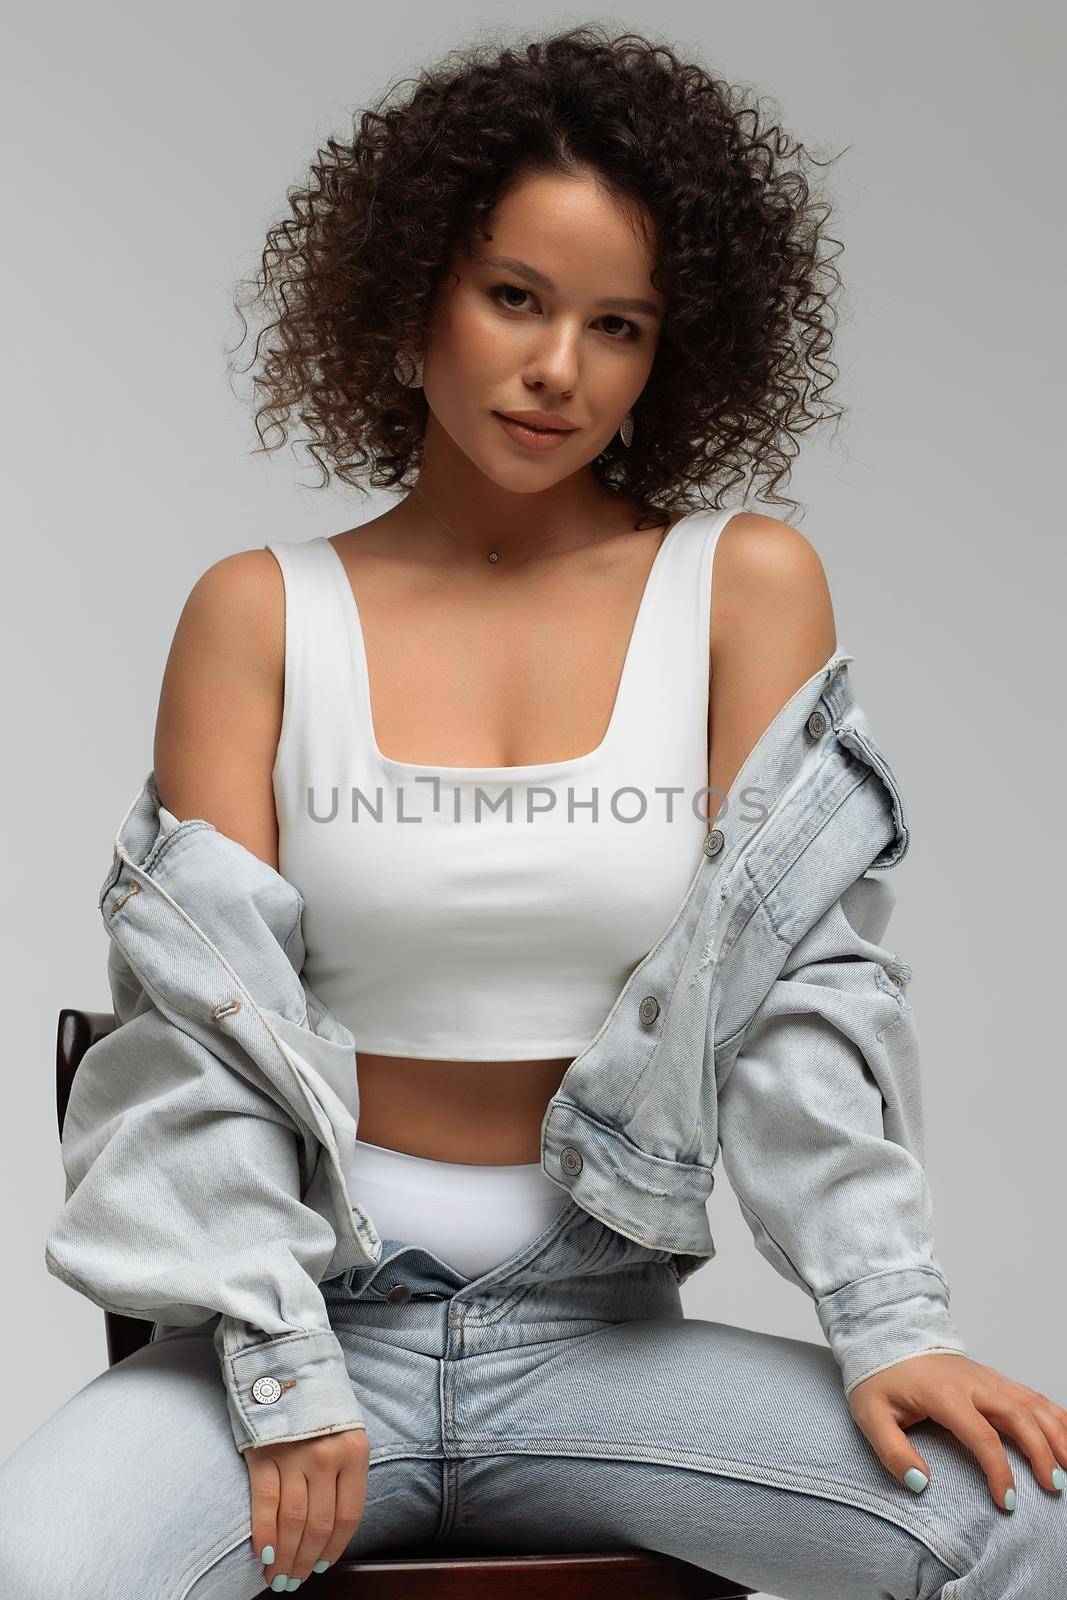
(743, 363)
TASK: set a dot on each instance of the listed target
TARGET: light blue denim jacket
(209, 1140)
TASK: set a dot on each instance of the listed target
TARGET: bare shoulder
(770, 597)
(759, 557)
(220, 703)
(772, 627)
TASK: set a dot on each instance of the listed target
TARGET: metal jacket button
(817, 724)
(571, 1161)
(266, 1391)
(399, 1292)
(713, 842)
(649, 1008)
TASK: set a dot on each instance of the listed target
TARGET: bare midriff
(486, 1112)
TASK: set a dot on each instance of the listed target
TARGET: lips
(535, 427)
(533, 438)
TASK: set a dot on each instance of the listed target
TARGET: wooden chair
(426, 1574)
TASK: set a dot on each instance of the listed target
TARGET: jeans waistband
(577, 1270)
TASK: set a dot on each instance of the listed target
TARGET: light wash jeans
(560, 1401)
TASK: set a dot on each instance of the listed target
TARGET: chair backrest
(433, 1575)
(77, 1031)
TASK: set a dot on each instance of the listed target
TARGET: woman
(550, 295)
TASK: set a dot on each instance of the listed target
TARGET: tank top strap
(667, 677)
(323, 705)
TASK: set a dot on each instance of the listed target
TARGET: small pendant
(493, 555)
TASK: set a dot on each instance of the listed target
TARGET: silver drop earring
(626, 430)
(408, 369)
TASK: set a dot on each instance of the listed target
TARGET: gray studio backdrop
(146, 151)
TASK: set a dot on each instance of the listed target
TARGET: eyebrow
(540, 281)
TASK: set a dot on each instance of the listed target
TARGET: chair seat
(597, 1575)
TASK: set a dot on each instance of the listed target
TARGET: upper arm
(220, 705)
(772, 626)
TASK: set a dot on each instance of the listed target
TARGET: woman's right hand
(307, 1500)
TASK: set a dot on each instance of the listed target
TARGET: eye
(505, 288)
(634, 332)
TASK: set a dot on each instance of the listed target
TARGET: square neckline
(524, 770)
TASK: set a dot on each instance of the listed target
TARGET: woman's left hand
(974, 1402)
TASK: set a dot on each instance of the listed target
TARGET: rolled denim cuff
(875, 1322)
(292, 1387)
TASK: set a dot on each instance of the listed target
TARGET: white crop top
(470, 933)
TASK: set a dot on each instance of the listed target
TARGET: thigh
(762, 1429)
(134, 1487)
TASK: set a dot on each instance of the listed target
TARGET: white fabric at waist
(472, 1215)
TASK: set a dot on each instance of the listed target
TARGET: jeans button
(571, 1161)
(648, 1010)
(399, 1292)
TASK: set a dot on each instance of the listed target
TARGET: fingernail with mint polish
(916, 1480)
(320, 1565)
(1009, 1500)
(267, 1555)
(1059, 1478)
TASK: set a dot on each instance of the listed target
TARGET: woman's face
(555, 313)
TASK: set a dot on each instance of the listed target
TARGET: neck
(455, 507)
(463, 532)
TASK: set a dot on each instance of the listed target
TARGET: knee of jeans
(29, 1564)
(234, 1574)
(898, 1563)
(29, 1535)
(1025, 1550)
(932, 1577)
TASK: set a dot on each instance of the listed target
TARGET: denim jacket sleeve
(187, 1177)
(821, 1129)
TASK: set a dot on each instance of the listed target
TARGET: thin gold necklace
(494, 555)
